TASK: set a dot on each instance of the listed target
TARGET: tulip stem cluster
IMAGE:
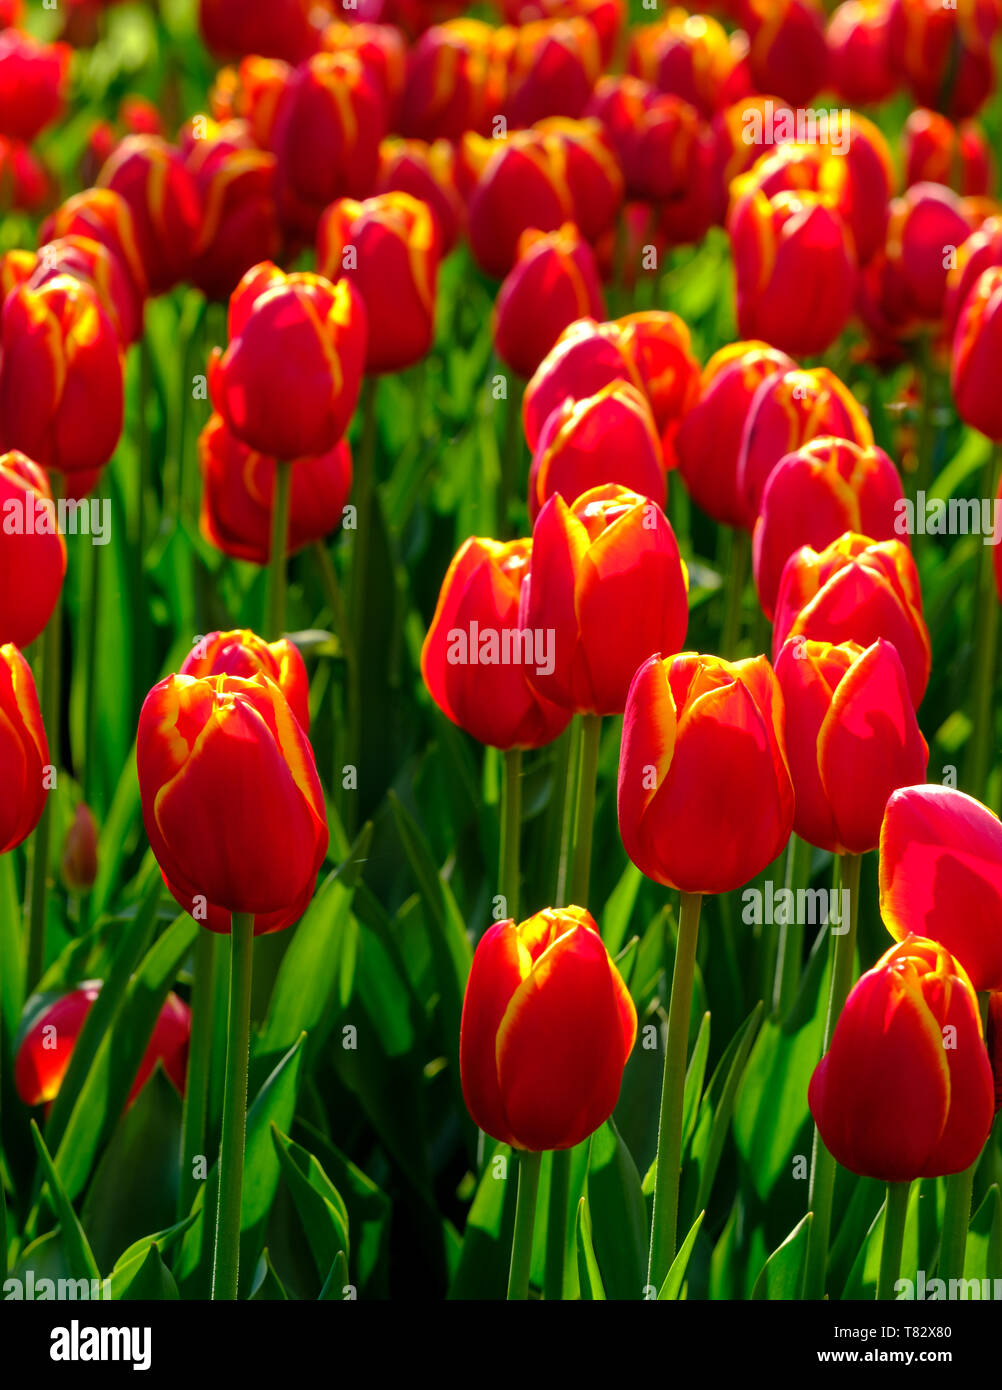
(275, 618)
(226, 1262)
(895, 1214)
(525, 1220)
(664, 1222)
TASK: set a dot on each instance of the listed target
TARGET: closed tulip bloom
(981, 251)
(921, 223)
(152, 178)
(655, 135)
(548, 1026)
(610, 437)
(32, 551)
(101, 269)
(583, 155)
(553, 283)
(232, 804)
(937, 151)
(859, 52)
(476, 657)
(708, 442)
(242, 653)
(659, 343)
(47, 1048)
(24, 750)
(101, 215)
(61, 385)
(788, 53)
(851, 738)
(25, 183)
(33, 81)
(522, 185)
(238, 487)
(816, 494)
(993, 1037)
(382, 51)
(795, 266)
(689, 55)
(388, 248)
(453, 83)
(289, 380)
(941, 876)
(252, 92)
(787, 411)
(944, 54)
(856, 590)
(891, 1100)
(705, 796)
(586, 358)
(608, 581)
(274, 28)
(79, 858)
(427, 172)
(551, 69)
(976, 346)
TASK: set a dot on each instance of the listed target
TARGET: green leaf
(695, 1072)
(11, 955)
(983, 1257)
(368, 1210)
(674, 1279)
(337, 1280)
(267, 1287)
(862, 1281)
(321, 1210)
(618, 1215)
(144, 1277)
(782, 1276)
(619, 908)
(588, 1270)
(79, 1256)
(162, 1239)
(716, 1111)
(490, 1225)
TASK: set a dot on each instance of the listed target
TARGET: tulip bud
(981, 251)
(101, 269)
(242, 653)
(788, 53)
(586, 358)
(152, 178)
(382, 51)
(239, 487)
(24, 750)
(851, 738)
(426, 172)
(705, 797)
(33, 82)
(608, 581)
(936, 151)
(61, 384)
(905, 1090)
(941, 876)
(656, 136)
(553, 283)
(25, 184)
(521, 186)
(548, 1026)
(856, 590)
(46, 1049)
(816, 494)
(289, 381)
(476, 657)
(610, 437)
(976, 347)
(232, 804)
(452, 83)
(690, 56)
(708, 443)
(551, 69)
(944, 54)
(582, 154)
(859, 52)
(32, 552)
(101, 215)
(388, 248)
(79, 859)
(274, 28)
(921, 227)
(251, 92)
(659, 343)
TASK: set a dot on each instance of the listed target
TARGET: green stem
(510, 445)
(511, 826)
(737, 575)
(926, 438)
(525, 1220)
(584, 815)
(346, 730)
(790, 952)
(556, 1229)
(822, 1186)
(956, 1220)
(196, 1093)
(986, 617)
(664, 1223)
(90, 620)
(364, 495)
(274, 622)
(226, 1261)
(564, 865)
(895, 1212)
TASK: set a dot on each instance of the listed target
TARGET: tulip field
(500, 570)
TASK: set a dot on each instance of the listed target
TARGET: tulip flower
(659, 342)
(655, 135)
(553, 283)
(61, 385)
(851, 738)
(101, 215)
(288, 382)
(24, 751)
(388, 248)
(550, 70)
(25, 185)
(610, 437)
(253, 93)
(33, 81)
(584, 157)
(788, 54)
(981, 251)
(521, 186)
(476, 657)
(861, 66)
(46, 1050)
(708, 443)
(922, 225)
(32, 551)
(993, 1037)
(702, 743)
(79, 858)
(690, 56)
(548, 1026)
(788, 410)
(856, 590)
(274, 28)
(608, 581)
(936, 151)
(152, 178)
(975, 355)
(103, 271)
(897, 1096)
(813, 496)
(944, 54)
(453, 83)
(941, 876)
(587, 357)
(382, 51)
(239, 488)
(242, 653)
(427, 172)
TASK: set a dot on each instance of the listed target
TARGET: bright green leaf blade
(782, 1277)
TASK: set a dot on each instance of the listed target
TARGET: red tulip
(152, 178)
(993, 1037)
(33, 81)
(788, 53)
(288, 382)
(25, 185)
(100, 268)
(47, 1048)
(976, 346)
(242, 653)
(921, 227)
(941, 876)
(551, 69)
(586, 358)
(252, 92)
(548, 1026)
(892, 1098)
(981, 251)
(655, 135)
(274, 28)
(32, 551)
(936, 151)
(944, 54)
(427, 172)
(705, 797)
(476, 656)
(382, 51)
(24, 750)
(101, 215)
(454, 83)
(690, 56)
(859, 52)
(239, 487)
(851, 738)
(553, 283)
(232, 804)
(856, 590)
